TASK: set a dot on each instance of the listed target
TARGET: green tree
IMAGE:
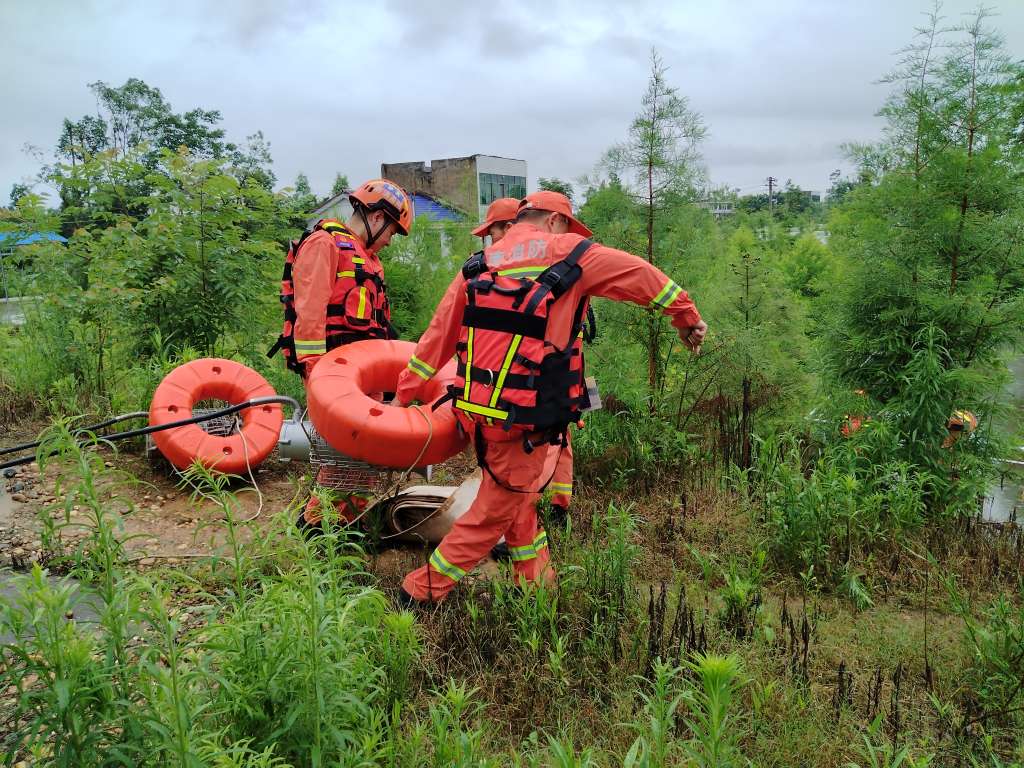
(933, 246)
(661, 153)
(556, 185)
(340, 184)
(18, 191)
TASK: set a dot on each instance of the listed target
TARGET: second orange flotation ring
(342, 410)
(215, 379)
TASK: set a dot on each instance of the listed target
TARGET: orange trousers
(495, 512)
(561, 481)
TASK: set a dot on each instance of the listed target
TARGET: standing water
(1006, 498)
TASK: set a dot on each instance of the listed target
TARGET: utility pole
(771, 198)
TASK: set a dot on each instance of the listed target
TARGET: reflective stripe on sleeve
(666, 296)
(420, 368)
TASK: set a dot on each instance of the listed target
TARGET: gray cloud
(343, 87)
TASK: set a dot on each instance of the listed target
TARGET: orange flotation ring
(352, 422)
(214, 378)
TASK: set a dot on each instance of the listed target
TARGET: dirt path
(164, 522)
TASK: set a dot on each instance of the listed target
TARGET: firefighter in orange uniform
(512, 317)
(333, 288)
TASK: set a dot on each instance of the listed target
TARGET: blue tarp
(35, 237)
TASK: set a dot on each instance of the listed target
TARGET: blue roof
(35, 237)
(435, 211)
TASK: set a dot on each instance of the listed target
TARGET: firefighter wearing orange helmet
(512, 318)
(333, 288)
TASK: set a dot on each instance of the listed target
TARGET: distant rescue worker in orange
(333, 288)
(512, 318)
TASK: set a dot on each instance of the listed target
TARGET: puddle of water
(1005, 500)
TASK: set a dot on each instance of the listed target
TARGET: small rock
(18, 552)
(10, 472)
(30, 679)
(108, 464)
(147, 561)
(21, 498)
(182, 547)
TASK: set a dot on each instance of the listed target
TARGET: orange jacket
(322, 278)
(607, 272)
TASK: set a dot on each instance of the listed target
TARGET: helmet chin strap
(371, 236)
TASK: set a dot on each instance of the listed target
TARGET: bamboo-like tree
(662, 156)
(935, 243)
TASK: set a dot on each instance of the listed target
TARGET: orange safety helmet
(957, 424)
(502, 209)
(384, 195)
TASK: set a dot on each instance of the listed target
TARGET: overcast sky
(344, 86)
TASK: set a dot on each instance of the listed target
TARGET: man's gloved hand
(693, 336)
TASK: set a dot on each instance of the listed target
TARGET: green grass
(659, 646)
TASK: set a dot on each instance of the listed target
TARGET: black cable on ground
(158, 428)
(88, 428)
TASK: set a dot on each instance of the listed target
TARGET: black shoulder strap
(560, 276)
(474, 266)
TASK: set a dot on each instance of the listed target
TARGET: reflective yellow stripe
(362, 304)
(482, 410)
(348, 273)
(506, 363)
(441, 565)
(427, 368)
(561, 487)
(529, 551)
(415, 368)
(358, 260)
(314, 347)
(666, 296)
(531, 271)
(469, 363)
(519, 554)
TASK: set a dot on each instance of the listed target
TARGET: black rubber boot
(309, 530)
(500, 552)
(558, 516)
(409, 603)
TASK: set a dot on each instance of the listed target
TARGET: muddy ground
(165, 523)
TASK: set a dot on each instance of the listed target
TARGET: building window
(495, 185)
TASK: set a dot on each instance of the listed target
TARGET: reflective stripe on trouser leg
(440, 564)
(494, 512)
(531, 550)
